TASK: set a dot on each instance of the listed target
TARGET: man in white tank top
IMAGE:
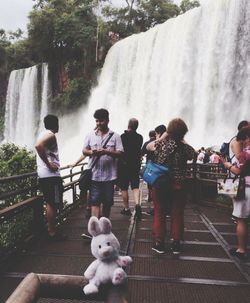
(48, 172)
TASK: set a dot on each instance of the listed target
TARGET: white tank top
(42, 170)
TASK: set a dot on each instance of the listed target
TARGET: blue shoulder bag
(153, 171)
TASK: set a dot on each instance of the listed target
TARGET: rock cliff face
(61, 80)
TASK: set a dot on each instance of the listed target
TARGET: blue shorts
(102, 192)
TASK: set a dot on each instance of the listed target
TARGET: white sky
(14, 13)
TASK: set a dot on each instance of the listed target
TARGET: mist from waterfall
(195, 66)
(26, 104)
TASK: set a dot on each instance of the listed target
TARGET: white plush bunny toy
(108, 264)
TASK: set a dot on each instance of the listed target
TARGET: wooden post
(27, 291)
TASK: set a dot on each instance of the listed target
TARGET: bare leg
(95, 211)
(242, 235)
(125, 198)
(51, 218)
(136, 194)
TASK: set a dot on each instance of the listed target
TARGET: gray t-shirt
(106, 167)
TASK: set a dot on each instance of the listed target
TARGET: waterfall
(26, 104)
(46, 94)
(195, 66)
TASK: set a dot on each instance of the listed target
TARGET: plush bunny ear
(94, 226)
(105, 225)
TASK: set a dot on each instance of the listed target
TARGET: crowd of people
(115, 160)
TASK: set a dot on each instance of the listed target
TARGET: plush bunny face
(105, 247)
(104, 244)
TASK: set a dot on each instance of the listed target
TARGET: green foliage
(75, 95)
(188, 4)
(62, 29)
(156, 12)
(15, 160)
(12, 232)
(143, 16)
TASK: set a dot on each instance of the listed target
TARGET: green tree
(139, 15)
(188, 4)
(63, 33)
(15, 160)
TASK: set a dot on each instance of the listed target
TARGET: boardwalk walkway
(204, 272)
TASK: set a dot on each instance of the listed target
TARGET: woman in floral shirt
(241, 205)
(171, 150)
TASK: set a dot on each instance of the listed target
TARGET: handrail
(12, 210)
(17, 192)
(35, 187)
(34, 174)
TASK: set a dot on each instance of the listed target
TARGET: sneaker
(138, 213)
(57, 237)
(126, 212)
(150, 212)
(86, 236)
(176, 247)
(241, 256)
(159, 248)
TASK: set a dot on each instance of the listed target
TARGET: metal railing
(23, 216)
(28, 212)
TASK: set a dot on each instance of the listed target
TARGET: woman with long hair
(173, 151)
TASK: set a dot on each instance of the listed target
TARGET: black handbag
(86, 175)
(85, 179)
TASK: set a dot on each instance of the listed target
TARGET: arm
(151, 146)
(113, 153)
(41, 146)
(87, 151)
(82, 157)
(91, 270)
(163, 136)
(117, 152)
(124, 260)
(232, 168)
(236, 147)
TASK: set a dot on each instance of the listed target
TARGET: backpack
(225, 150)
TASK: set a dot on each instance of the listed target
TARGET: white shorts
(242, 207)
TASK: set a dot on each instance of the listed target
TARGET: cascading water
(46, 94)
(26, 104)
(195, 66)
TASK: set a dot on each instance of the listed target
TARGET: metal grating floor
(203, 272)
(159, 292)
